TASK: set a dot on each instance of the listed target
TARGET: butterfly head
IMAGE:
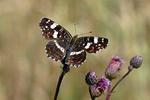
(75, 37)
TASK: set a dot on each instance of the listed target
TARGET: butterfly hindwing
(76, 56)
(76, 59)
(55, 51)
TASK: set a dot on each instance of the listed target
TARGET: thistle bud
(114, 67)
(136, 61)
(91, 78)
(99, 88)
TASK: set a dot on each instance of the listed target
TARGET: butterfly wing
(76, 57)
(93, 44)
(90, 44)
(52, 30)
(59, 38)
(55, 51)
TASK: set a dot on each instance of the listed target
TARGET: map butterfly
(67, 49)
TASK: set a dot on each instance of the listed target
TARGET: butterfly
(67, 49)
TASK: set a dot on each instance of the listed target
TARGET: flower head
(91, 78)
(136, 61)
(99, 88)
(114, 67)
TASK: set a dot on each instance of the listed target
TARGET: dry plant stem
(120, 81)
(93, 98)
(108, 92)
(65, 70)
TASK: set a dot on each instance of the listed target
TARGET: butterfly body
(67, 49)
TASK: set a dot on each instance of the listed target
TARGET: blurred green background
(27, 74)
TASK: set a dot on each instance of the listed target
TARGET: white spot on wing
(48, 21)
(76, 53)
(58, 46)
(43, 29)
(55, 34)
(46, 26)
(95, 39)
(53, 25)
(88, 45)
(102, 39)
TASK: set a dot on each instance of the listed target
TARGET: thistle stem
(108, 91)
(92, 97)
(120, 81)
(65, 70)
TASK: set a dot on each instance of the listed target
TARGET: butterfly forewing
(52, 30)
(95, 44)
(91, 44)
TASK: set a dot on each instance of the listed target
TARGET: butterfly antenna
(75, 30)
(90, 32)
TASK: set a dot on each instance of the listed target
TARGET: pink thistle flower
(113, 69)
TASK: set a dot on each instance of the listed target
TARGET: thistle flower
(114, 67)
(91, 78)
(99, 88)
(136, 62)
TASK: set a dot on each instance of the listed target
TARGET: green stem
(120, 80)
